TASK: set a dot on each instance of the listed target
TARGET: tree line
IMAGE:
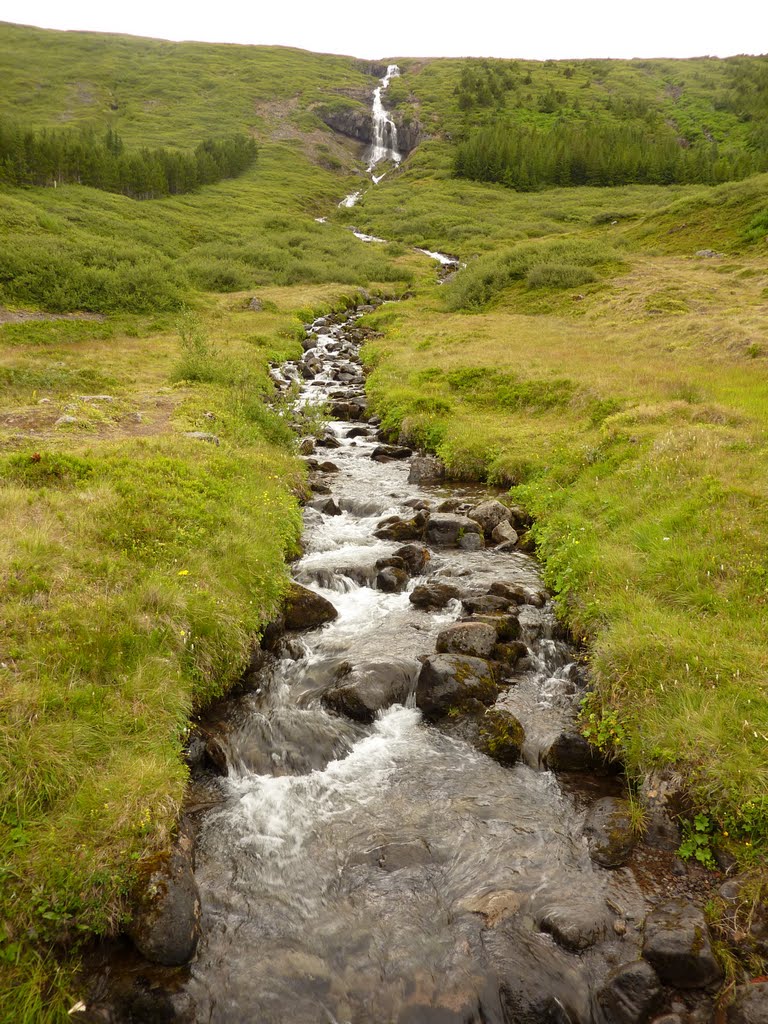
(526, 157)
(51, 157)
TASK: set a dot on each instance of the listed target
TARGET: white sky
(536, 29)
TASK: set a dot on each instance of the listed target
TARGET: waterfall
(384, 145)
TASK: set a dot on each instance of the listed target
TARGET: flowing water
(384, 144)
(389, 871)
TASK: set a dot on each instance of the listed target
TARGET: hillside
(603, 355)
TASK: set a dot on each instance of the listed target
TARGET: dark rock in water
(509, 655)
(570, 752)
(511, 591)
(608, 829)
(165, 927)
(425, 469)
(390, 451)
(304, 609)
(432, 596)
(449, 681)
(392, 580)
(630, 994)
(370, 688)
(575, 927)
(526, 543)
(327, 506)
(487, 605)
(676, 942)
(500, 735)
(477, 639)
(329, 440)
(327, 467)
(393, 562)
(446, 529)
(489, 514)
(471, 542)
(750, 1005)
(506, 625)
(450, 505)
(418, 503)
(306, 446)
(348, 410)
(398, 529)
(415, 557)
(358, 432)
(319, 487)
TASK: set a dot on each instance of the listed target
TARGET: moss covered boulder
(449, 683)
(500, 736)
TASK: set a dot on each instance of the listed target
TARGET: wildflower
(183, 572)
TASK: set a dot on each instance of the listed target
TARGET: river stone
(165, 926)
(630, 994)
(486, 605)
(425, 469)
(574, 927)
(476, 639)
(446, 529)
(399, 529)
(608, 829)
(318, 486)
(489, 514)
(347, 410)
(676, 942)
(448, 681)
(504, 534)
(432, 596)
(306, 446)
(391, 580)
(511, 591)
(509, 654)
(471, 542)
(327, 506)
(571, 752)
(507, 626)
(304, 609)
(750, 1005)
(501, 736)
(415, 557)
(369, 688)
(390, 451)
(327, 467)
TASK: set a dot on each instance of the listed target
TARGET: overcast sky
(411, 28)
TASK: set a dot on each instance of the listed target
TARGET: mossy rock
(501, 736)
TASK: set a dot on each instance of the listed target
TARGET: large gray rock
(608, 829)
(477, 639)
(415, 557)
(447, 529)
(504, 533)
(676, 943)
(391, 579)
(398, 529)
(630, 994)
(750, 1004)
(385, 452)
(165, 926)
(304, 609)
(433, 596)
(574, 926)
(448, 682)
(425, 469)
(371, 687)
(489, 514)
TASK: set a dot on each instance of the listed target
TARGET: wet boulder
(750, 1004)
(631, 993)
(676, 943)
(326, 505)
(477, 639)
(398, 529)
(304, 609)
(387, 452)
(505, 624)
(391, 580)
(500, 735)
(425, 469)
(486, 605)
(433, 596)
(447, 682)
(306, 446)
(370, 688)
(448, 530)
(608, 829)
(489, 514)
(571, 752)
(508, 655)
(513, 592)
(573, 925)
(415, 557)
(165, 926)
(348, 410)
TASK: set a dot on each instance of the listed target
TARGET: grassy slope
(630, 415)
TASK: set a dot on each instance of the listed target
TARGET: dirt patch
(8, 316)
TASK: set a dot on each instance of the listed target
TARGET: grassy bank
(628, 413)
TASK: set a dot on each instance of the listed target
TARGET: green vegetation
(56, 158)
(588, 357)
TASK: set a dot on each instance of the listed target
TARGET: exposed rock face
(676, 943)
(448, 681)
(370, 688)
(630, 994)
(352, 121)
(304, 609)
(608, 829)
(166, 923)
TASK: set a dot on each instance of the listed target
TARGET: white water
(384, 145)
